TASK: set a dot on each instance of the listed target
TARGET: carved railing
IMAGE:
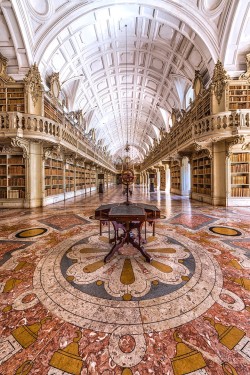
(16, 124)
(208, 129)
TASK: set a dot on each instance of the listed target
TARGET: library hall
(124, 187)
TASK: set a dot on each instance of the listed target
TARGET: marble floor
(64, 311)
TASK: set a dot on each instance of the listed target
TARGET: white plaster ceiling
(121, 93)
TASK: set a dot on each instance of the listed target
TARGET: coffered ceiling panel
(121, 63)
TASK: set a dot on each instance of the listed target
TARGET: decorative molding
(246, 75)
(239, 140)
(33, 83)
(55, 86)
(198, 83)
(3, 70)
(219, 81)
(199, 147)
(6, 149)
(70, 158)
(22, 143)
(246, 146)
(53, 151)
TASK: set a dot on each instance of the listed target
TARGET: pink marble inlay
(127, 343)
(191, 221)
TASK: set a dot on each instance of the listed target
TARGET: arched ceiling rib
(120, 93)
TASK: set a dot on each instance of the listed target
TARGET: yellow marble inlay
(127, 371)
(225, 231)
(127, 275)
(99, 282)
(10, 284)
(234, 263)
(243, 281)
(70, 278)
(93, 266)
(7, 308)
(104, 239)
(151, 239)
(185, 278)
(161, 267)
(186, 359)
(155, 282)
(167, 250)
(127, 297)
(25, 368)
(89, 250)
(21, 265)
(31, 232)
(68, 359)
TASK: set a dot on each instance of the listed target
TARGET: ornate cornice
(70, 158)
(199, 147)
(22, 143)
(55, 151)
(6, 149)
(239, 140)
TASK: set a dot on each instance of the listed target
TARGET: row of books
(236, 168)
(16, 181)
(202, 171)
(15, 194)
(240, 192)
(53, 172)
(53, 163)
(54, 181)
(16, 169)
(241, 180)
(243, 157)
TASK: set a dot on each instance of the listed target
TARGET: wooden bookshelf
(238, 95)
(240, 174)
(54, 183)
(69, 177)
(51, 111)
(175, 173)
(87, 179)
(163, 179)
(12, 176)
(80, 178)
(93, 178)
(203, 106)
(201, 175)
(12, 98)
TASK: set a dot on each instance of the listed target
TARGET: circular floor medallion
(183, 292)
(225, 231)
(33, 232)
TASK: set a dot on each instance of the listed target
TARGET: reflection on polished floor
(64, 311)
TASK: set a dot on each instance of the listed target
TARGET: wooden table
(124, 218)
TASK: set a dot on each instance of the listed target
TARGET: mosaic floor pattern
(64, 311)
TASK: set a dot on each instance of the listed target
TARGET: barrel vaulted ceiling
(125, 64)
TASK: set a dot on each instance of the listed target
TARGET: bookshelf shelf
(12, 98)
(54, 183)
(175, 173)
(240, 174)
(201, 172)
(238, 95)
(12, 176)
